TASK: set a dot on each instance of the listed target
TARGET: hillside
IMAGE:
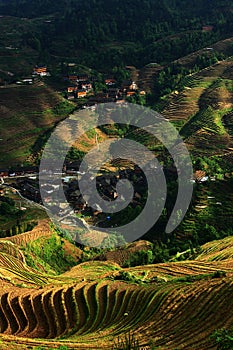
(220, 250)
(28, 113)
(202, 109)
(96, 302)
(102, 35)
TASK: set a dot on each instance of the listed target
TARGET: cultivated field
(173, 305)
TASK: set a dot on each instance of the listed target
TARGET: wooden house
(113, 92)
(199, 175)
(129, 85)
(72, 88)
(4, 172)
(72, 77)
(81, 93)
(40, 70)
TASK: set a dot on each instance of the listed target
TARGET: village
(76, 86)
(27, 184)
(25, 181)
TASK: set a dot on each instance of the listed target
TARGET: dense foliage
(109, 33)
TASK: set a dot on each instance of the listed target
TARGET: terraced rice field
(89, 307)
(185, 104)
(43, 229)
(205, 133)
(220, 250)
(27, 112)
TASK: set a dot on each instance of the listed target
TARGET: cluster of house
(38, 71)
(81, 86)
(106, 186)
(200, 176)
(19, 171)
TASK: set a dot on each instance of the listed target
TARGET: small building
(72, 88)
(207, 28)
(200, 176)
(72, 77)
(86, 86)
(81, 93)
(110, 82)
(27, 81)
(133, 86)
(70, 97)
(4, 172)
(129, 85)
(130, 93)
(113, 92)
(142, 93)
(40, 70)
(82, 77)
(100, 98)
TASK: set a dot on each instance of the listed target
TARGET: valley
(164, 290)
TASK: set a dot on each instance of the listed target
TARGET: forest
(160, 32)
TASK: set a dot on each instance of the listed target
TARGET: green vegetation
(83, 32)
(193, 278)
(207, 119)
(98, 301)
(127, 277)
(223, 338)
(49, 253)
(13, 220)
(140, 257)
(7, 207)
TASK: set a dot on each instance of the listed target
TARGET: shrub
(219, 274)
(127, 277)
(142, 257)
(223, 338)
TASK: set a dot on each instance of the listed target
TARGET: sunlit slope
(176, 305)
(220, 250)
(27, 113)
(91, 315)
(203, 110)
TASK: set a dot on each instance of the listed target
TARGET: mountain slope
(27, 114)
(93, 304)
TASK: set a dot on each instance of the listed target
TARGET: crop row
(181, 314)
